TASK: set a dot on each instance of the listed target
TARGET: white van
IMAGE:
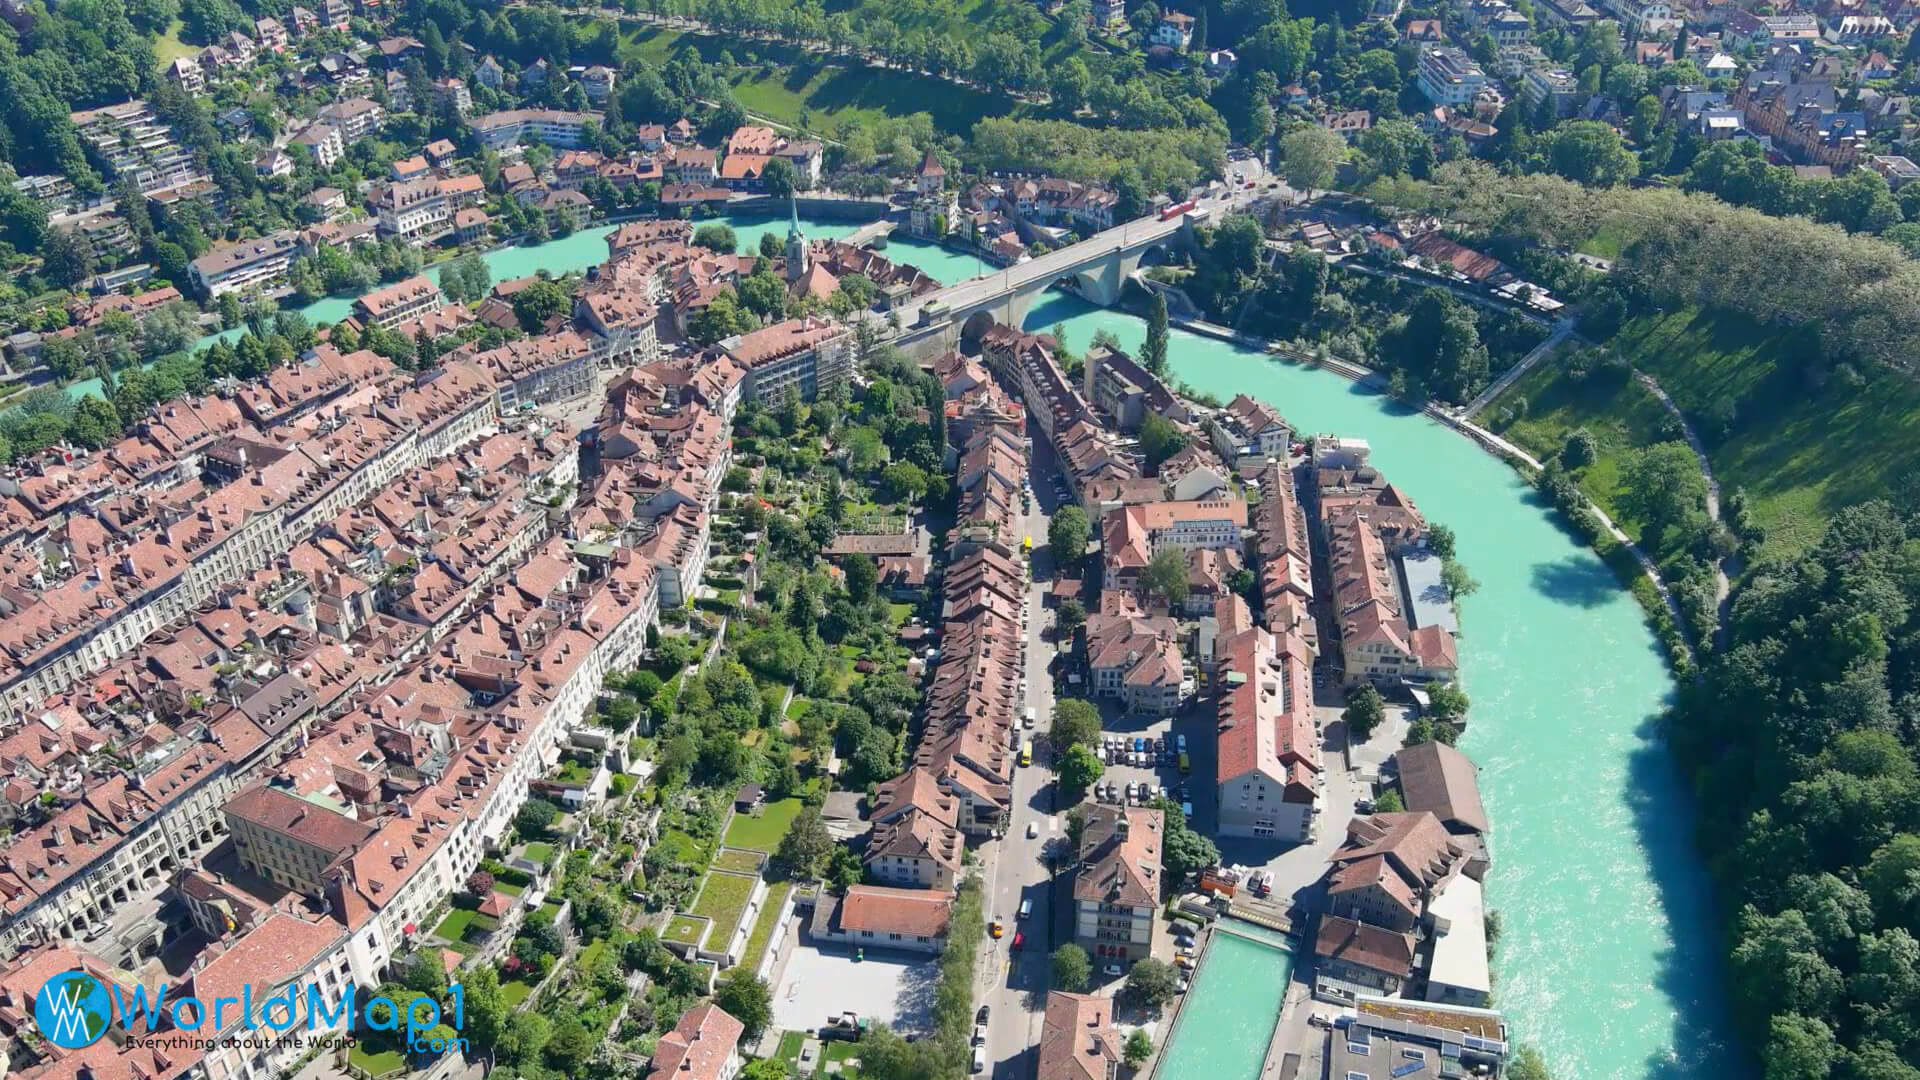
(1026, 908)
(1027, 720)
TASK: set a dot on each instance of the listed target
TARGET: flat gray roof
(1427, 598)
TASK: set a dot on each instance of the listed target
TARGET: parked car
(1114, 971)
(981, 1016)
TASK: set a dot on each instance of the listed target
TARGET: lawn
(724, 900)
(508, 887)
(790, 1042)
(685, 930)
(746, 862)
(901, 613)
(168, 47)
(538, 852)
(685, 848)
(591, 952)
(376, 1063)
(787, 83)
(763, 833)
(763, 926)
(454, 926)
(514, 991)
(1800, 450)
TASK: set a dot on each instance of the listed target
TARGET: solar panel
(1409, 1067)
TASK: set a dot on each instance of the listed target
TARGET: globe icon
(72, 1010)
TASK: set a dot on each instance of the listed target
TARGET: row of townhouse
(50, 905)
(371, 865)
(1367, 524)
(966, 753)
(55, 636)
(1092, 457)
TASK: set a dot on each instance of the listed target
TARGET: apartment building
(1547, 83)
(1268, 745)
(1078, 1040)
(1249, 431)
(805, 356)
(1119, 387)
(1448, 76)
(187, 75)
(1117, 882)
(678, 549)
(916, 842)
(135, 142)
(289, 840)
(356, 117)
(1135, 659)
(538, 370)
(323, 141)
(244, 266)
(1390, 865)
(421, 208)
(554, 127)
(403, 301)
(704, 1045)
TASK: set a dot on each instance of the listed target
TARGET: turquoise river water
(1606, 958)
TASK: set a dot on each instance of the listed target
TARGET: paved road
(1015, 982)
(1561, 331)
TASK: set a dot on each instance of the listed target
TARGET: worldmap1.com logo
(73, 1010)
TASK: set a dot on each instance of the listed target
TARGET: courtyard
(819, 981)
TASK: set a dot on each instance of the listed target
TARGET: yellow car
(997, 928)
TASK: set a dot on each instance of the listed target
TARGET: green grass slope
(789, 81)
(1799, 451)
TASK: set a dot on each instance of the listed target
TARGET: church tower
(797, 255)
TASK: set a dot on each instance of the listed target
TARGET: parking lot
(1143, 762)
(822, 980)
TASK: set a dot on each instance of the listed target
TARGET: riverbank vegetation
(1802, 741)
(1427, 342)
